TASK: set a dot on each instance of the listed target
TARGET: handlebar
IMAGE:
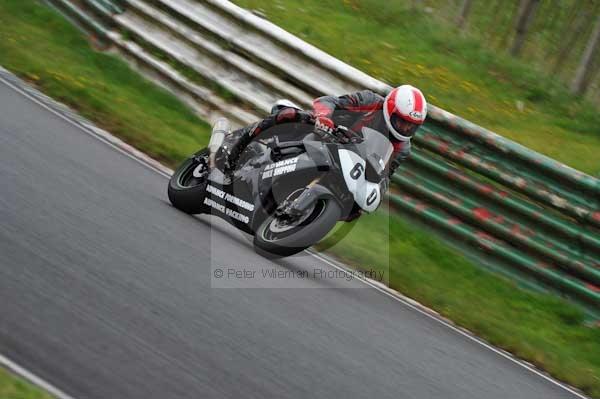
(341, 134)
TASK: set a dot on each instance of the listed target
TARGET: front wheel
(283, 238)
(187, 186)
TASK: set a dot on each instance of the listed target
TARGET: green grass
(12, 387)
(394, 43)
(41, 46)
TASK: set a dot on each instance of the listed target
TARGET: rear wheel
(279, 236)
(187, 186)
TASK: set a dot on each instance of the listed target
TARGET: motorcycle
(287, 193)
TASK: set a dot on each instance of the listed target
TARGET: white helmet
(405, 110)
(283, 103)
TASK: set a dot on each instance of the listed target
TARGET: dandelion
(467, 86)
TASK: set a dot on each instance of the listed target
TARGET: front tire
(187, 186)
(273, 239)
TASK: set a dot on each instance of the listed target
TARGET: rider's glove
(345, 135)
(384, 185)
(340, 134)
(325, 125)
(394, 165)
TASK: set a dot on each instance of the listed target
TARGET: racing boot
(234, 143)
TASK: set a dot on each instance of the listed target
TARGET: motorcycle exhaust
(220, 129)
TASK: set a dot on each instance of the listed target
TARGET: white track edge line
(432, 314)
(34, 379)
(387, 291)
(97, 133)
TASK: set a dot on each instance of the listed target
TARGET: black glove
(384, 185)
(341, 134)
(324, 126)
(345, 135)
(394, 165)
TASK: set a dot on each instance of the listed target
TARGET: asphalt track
(105, 292)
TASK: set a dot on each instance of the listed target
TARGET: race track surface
(105, 292)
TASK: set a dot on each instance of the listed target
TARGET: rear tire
(187, 186)
(270, 242)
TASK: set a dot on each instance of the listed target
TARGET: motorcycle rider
(398, 115)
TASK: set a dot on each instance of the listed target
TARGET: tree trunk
(559, 33)
(552, 17)
(551, 28)
(584, 71)
(569, 42)
(526, 16)
(592, 81)
(506, 32)
(596, 98)
(465, 8)
(492, 30)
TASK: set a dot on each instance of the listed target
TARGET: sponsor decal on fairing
(280, 168)
(230, 198)
(223, 209)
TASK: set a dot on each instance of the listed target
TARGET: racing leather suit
(361, 109)
(355, 110)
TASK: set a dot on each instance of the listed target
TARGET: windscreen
(375, 143)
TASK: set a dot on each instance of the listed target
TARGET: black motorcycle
(287, 193)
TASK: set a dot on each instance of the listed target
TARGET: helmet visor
(402, 126)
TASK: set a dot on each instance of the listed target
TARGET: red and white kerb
(406, 102)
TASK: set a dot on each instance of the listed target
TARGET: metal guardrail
(513, 204)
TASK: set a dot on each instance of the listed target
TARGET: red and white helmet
(405, 110)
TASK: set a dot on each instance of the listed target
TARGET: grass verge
(12, 387)
(41, 46)
(396, 43)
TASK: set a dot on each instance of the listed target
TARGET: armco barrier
(464, 181)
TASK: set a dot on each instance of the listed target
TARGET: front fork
(296, 208)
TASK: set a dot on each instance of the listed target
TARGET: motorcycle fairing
(264, 185)
(232, 202)
(366, 194)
